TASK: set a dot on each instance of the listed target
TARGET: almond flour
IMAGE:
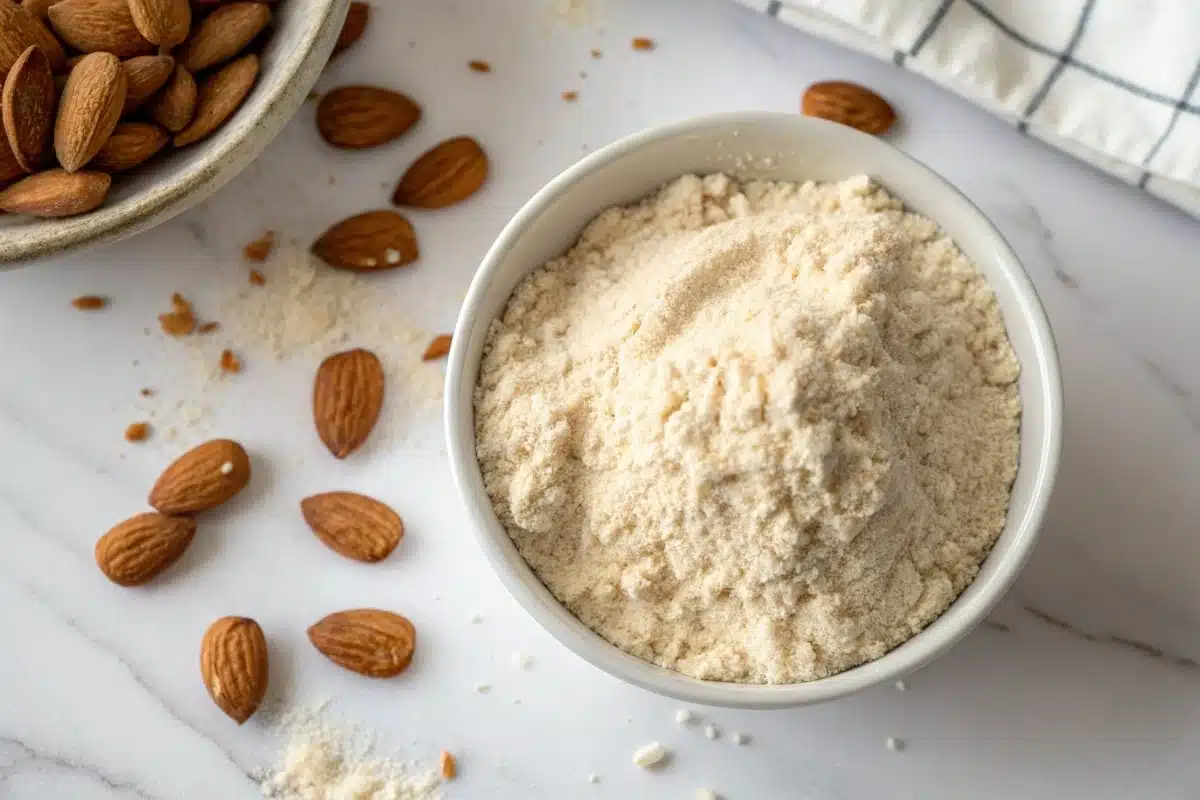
(757, 433)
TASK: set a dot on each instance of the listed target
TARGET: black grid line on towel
(773, 8)
(1039, 97)
(935, 19)
(1166, 134)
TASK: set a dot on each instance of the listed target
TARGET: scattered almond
(99, 26)
(223, 34)
(28, 104)
(347, 399)
(230, 364)
(597, 53)
(137, 432)
(361, 117)
(19, 30)
(479, 66)
(848, 104)
(181, 320)
(90, 302)
(202, 478)
(175, 106)
(219, 97)
(163, 22)
(146, 391)
(643, 44)
(138, 549)
(448, 766)
(437, 348)
(353, 28)
(145, 75)
(257, 278)
(233, 665)
(131, 144)
(374, 240)
(208, 327)
(353, 525)
(377, 644)
(570, 97)
(260, 249)
(56, 193)
(448, 174)
(89, 109)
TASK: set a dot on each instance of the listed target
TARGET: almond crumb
(439, 347)
(257, 278)
(90, 302)
(146, 392)
(260, 249)
(570, 97)
(449, 765)
(642, 43)
(479, 66)
(137, 432)
(230, 363)
(597, 53)
(208, 327)
(181, 321)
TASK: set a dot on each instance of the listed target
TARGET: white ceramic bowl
(302, 37)
(785, 147)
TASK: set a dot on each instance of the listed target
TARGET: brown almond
(89, 109)
(145, 75)
(141, 547)
(223, 34)
(130, 145)
(377, 644)
(354, 525)
(56, 193)
(438, 347)
(360, 117)
(164, 22)
(234, 666)
(347, 399)
(38, 8)
(28, 105)
(219, 97)
(447, 174)
(353, 28)
(175, 106)
(20, 30)
(448, 765)
(10, 168)
(202, 478)
(368, 242)
(848, 104)
(99, 26)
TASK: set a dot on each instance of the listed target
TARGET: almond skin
(219, 97)
(131, 144)
(353, 28)
(848, 104)
(447, 174)
(10, 168)
(374, 240)
(438, 347)
(347, 399)
(38, 8)
(163, 22)
(361, 117)
(140, 548)
(234, 667)
(202, 478)
(377, 644)
(175, 106)
(223, 34)
(89, 109)
(145, 75)
(56, 193)
(99, 26)
(19, 30)
(354, 525)
(27, 106)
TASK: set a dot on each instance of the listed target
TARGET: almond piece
(360, 117)
(259, 251)
(19, 30)
(233, 664)
(848, 104)
(448, 765)
(202, 478)
(353, 28)
(56, 193)
(447, 174)
(354, 525)
(89, 109)
(99, 26)
(175, 106)
(28, 105)
(163, 22)
(137, 432)
(437, 348)
(347, 399)
(219, 97)
(223, 34)
(144, 76)
(377, 644)
(375, 240)
(90, 302)
(130, 145)
(141, 547)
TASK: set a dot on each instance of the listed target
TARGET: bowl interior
(782, 147)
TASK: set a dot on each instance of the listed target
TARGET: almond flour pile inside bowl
(757, 433)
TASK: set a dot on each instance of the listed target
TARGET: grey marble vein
(42, 761)
(1027, 215)
(1135, 645)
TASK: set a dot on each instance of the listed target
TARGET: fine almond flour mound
(759, 432)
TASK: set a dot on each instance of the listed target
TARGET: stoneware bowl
(785, 147)
(302, 37)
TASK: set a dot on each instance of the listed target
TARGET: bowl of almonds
(116, 115)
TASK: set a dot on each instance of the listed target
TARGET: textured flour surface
(758, 432)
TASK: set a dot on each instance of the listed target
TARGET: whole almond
(131, 144)
(202, 478)
(38, 8)
(10, 168)
(56, 193)
(223, 34)
(219, 97)
(354, 525)
(27, 105)
(353, 28)
(360, 117)
(374, 240)
(233, 664)
(377, 644)
(19, 30)
(848, 104)
(347, 399)
(447, 174)
(89, 109)
(99, 26)
(164, 22)
(175, 106)
(141, 547)
(144, 76)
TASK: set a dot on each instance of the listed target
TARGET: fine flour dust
(754, 432)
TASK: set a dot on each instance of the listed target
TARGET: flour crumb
(706, 794)
(901, 686)
(683, 716)
(739, 738)
(649, 755)
(593, 778)
(894, 744)
(483, 688)
(711, 732)
(521, 660)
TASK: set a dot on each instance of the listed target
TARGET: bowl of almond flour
(754, 410)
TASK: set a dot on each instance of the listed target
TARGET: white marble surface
(1085, 684)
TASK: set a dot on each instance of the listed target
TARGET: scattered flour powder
(760, 432)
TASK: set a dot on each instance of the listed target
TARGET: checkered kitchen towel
(1113, 82)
